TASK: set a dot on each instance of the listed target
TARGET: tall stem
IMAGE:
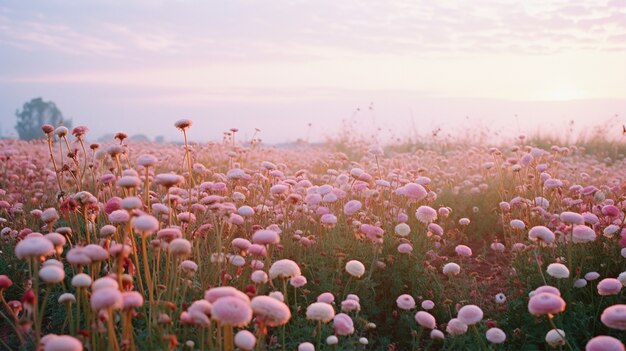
(54, 164)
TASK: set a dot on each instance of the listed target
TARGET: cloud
(242, 30)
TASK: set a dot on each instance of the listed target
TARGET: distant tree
(140, 138)
(36, 113)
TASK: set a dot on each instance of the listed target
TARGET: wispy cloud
(246, 30)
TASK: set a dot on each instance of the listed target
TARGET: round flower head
(332, 340)
(517, 224)
(326, 297)
(52, 274)
(622, 278)
(147, 160)
(571, 218)
(463, 250)
(349, 305)
(131, 300)
(232, 311)
(592, 276)
(428, 305)
(355, 268)
(402, 229)
(119, 217)
(217, 293)
(61, 131)
(415, 192)
(106, 298)
(259, 277)
(265, 237)
(245, 340)
(604, 343)
(351, 207)
(105, 282)
(405, 302)
(129, 182)
(580, 283)
(495, 335)
(557, 270)
(609, 286)
(131, 203)
(435, 228)
(541, 233)
(67, 298)
(555, 337)
(583, 234)
(180, 247)
(189, 266)
(49, 215)
(426, 214)
(456, 327)
(284, 268)
(451, 269)
(169, 180)
(47, 128)
(426, 320)
(343, 324)
(545, 303)
(306, 346)
(614, 317)
(610, 210)
(270, 311)
(320, 311)
(298, 281)
(81, 280)
(96, 253)
(63, 343)
(57, 240)
(5, 282)
(34, 247)
(183, 124)
(470, 314)
(328, 220)
(545, 289)
(145, 224)
(436, 334)
(405, 248)
(374, 233)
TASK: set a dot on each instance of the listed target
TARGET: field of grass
(436, 245)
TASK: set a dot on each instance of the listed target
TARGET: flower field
(241, 246)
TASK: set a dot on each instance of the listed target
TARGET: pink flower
(270, 311)
(245, 340)
(425, 319)
(405, 302)
(470, 314)
(604, 343)
(545, 303)
(375, 234)
(343, 325)
(265, 237)
(232, 311)
(614, 317)
(609, 286)
(326, 297)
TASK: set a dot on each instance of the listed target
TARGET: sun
(563, 94)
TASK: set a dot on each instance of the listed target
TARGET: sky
(399, 66)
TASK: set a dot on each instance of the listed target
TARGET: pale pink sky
(278, 65)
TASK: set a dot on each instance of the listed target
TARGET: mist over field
(312, 175)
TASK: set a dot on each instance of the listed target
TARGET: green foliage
(36, 113)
